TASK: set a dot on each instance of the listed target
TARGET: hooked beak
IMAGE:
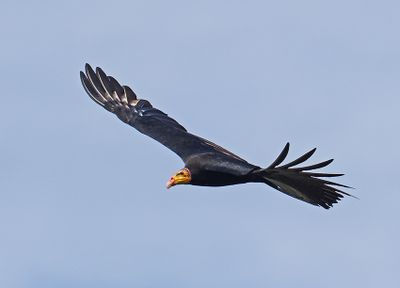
(183, 176)
(171, 182)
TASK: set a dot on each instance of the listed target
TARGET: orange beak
(171, 182)
(183, 176)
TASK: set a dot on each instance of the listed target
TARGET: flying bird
(206, 163)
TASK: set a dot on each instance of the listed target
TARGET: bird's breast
(218, 170)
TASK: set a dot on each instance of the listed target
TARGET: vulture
(206, 163)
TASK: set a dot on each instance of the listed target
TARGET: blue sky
(83, 200)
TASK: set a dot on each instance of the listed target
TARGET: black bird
(207, 164)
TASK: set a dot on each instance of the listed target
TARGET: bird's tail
(301, 182)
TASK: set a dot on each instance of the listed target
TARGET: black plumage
(206, 163)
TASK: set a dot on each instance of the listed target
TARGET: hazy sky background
(82, 196)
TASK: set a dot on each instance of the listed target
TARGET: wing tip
(319, 191)
(88, 69)
(82, 76)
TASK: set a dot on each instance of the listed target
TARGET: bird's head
(183, 176)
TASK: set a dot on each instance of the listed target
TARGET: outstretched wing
(302, 182)
(140, 114)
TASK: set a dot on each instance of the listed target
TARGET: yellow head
(183, 176)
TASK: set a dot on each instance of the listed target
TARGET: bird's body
(207, 164)
(214, 169)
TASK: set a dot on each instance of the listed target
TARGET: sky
(82, 195)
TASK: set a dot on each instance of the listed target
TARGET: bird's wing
(303, 182)
(140, 114)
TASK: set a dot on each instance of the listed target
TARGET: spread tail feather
(301, 182)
